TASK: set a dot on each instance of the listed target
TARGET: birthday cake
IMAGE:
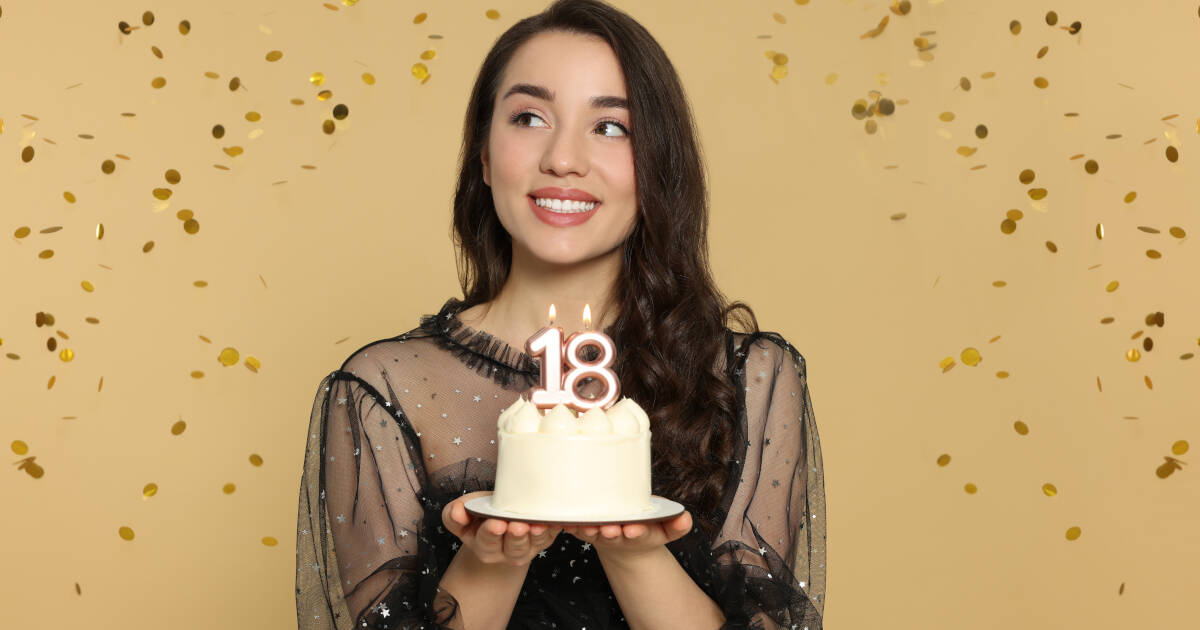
(560, 466)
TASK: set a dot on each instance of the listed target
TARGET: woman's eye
(517, 119)
(616, 126)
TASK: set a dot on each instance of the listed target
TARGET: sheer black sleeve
(770, 553)
(359, 562)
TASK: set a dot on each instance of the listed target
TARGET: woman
(576, 103)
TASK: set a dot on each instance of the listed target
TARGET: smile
(562, 212)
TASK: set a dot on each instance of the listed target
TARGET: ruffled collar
(478, 350)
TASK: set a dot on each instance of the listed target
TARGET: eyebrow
(544, 93)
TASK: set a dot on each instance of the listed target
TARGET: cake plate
(661, 509)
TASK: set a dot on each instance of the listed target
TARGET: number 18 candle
(558, 388)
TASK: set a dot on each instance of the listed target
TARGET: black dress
(409, 423)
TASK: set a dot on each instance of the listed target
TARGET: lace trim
(480, 351)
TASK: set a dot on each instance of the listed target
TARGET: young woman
(576, 103)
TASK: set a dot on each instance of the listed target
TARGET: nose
(565, 155)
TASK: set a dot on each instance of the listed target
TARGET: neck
(521, 308)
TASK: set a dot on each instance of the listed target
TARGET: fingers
(488, 538)
(516, 547)
(610, 531)
(635, 531)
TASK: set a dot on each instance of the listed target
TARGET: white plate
(661, 510)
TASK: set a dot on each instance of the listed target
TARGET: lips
(554, 192)
(560, 219)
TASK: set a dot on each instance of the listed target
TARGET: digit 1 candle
(547, 343)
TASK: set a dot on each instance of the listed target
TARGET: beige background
(305, 265)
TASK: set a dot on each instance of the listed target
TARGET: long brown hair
(670, 331)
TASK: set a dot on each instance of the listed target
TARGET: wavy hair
(670, 329)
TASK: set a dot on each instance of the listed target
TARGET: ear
(487, 171)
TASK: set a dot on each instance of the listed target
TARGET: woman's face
(559, 132)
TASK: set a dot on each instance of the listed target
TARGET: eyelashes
(516, 118)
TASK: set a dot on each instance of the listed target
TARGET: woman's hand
(632, 539)
(494, 540)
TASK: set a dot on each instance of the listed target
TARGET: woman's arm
(651, 587)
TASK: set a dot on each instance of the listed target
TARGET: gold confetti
(1037, 193)
(971, 357)
(1021, 428)
(946, 364)
(999, 284)
(147, 247)
(1133, 355)
(172, 176)
(228, 357)
(1169, 466)
(269, 541)
(185, 27)
(256, 459)
(1014, 27)
(1051, 18)
(1177, 232)
(901, 7)
(965, 84)
(1098, 385)
(1172, 154)
(87, 286)
(1041, 82)
(147, 18)
(324, 95)
(157, 53)
(1049, 490)
(368, 78)
(1091, 166)
(1008, 226)
(1112, 286)
(1153, 254)
(191, 226)
(779, 17)
(1149, 383)
(779, 72)
(1130, 196)
(420, 71)
(1014, 214)
(253, 364)
(970, 488)
(492, 14)
(1002, 374)
(178, 428)
(22, 232)
(1178, 448)
(1042, 51)
(430, 54)
(125, 533)
(229, 488)
(1121, 591)
(966, 151)
(107, 167)
(233, 151)
(317, 78)
(875, 32)
(328, 126)
(946, 116)
(162, 194)
(420, 17)
(1100, 231)
(158, 82)
(253, 116)
(69, 196)
(21, 448)
(275, 55)
(66, 355)
(218, 131)
(200, 284)
(1073, 533)
(1052, 247)
(981, 131)
(149, 490)
(197, 374)
(943, 460)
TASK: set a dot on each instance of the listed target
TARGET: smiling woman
(580, 182)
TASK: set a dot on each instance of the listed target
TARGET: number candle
(557, 388)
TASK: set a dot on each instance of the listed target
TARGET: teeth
(564, 206)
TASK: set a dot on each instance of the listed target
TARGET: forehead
(573, 66)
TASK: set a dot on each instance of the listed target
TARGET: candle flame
(553, 314)
(587, 315)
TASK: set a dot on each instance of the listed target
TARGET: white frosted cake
(559, 466)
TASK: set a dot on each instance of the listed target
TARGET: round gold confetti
(1002, 374)
(946, 364)
(92, 320)
(1091, 166)
(149, 490)
(1133, 355)
(871, 126)
(1051, 18)
(1112, 286)
(184, 215)
(256, 459)
(971, 357)
(999, 284)
(420, 17)
(228, 357)
(157, 53)
(887, 106)
(1008, 226)
(420, 71)
(147, 247)
(1021, 428)
(218, 131)
(69, 196)
(317, 78)
(21, 448)
(1042, 51)
(253, 364)
(1014, 27)
(368, 78)
(185, 27)
(147, 18)
(779, 72)
(27, 154)
(493, 14)
(943, 460)
(200, 284)
(1052, 247)
(981, 131)
(158, 82)
(253, 116)
(234, 84)
(51, 344)
(197, 374)
(340, 111)
(1015, 215)
(191, 226)
(1153, 254)
(1177, 232)
(1073, 533)
(67, 355)
(1049, 490)
(107, 167)
(1172, 154)
(1130, 196)
(228, 488)
(269, 541)
(324, 95)
(430, 54)
(162, 194)
(328, 126)
(1037, 193)
(1075, 27)
(966, 151)
(970, 488)
(1178, 448)
(859, 109)
(178, 428)
(275, 55)
(125, 533)
(87, 286)
(233, 151)
(172, 176)
(1041, 82)
(21, 232)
